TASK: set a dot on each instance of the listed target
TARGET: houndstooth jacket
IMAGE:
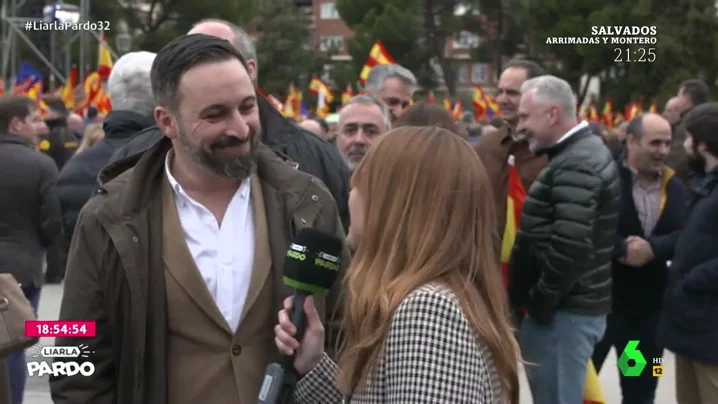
(431, 355)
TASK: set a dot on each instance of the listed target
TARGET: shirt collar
(575, 129)
(244, 188)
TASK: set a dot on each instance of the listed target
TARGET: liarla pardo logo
(76, 361)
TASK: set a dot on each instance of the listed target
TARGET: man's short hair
(379, 73)
(366, 99)
(635, 127)
(532, 69)
(242, 40)
(15, 106)
(696, 90)
(702, 124)
(129, 83)
(551, 89)
(182, 54)
(56, 104)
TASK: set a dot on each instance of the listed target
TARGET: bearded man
(178, 260)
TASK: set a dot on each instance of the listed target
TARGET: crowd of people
(539, 241)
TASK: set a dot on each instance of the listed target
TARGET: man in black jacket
(689, 325)
(653, 201)
(133, 105)
(309, 152)
(30, 220)
(60, 142)
(560, 269)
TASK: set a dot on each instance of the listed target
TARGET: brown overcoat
(494, 150)
(116, 277)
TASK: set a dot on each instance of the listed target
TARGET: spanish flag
(67, 92)
(458, 110)
(514, 206)
(378, 55)
(479, 103)
(104, 62)
(447, 104)
(607, 115)
(654, 107)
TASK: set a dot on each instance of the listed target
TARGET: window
(328, 11)
(465, 40)
(332, 43)
(479, 71)
(463, 72)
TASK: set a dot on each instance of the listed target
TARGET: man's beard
(356, 149)
(696, 162)
(236, 167)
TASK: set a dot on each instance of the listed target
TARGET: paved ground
(37, 388)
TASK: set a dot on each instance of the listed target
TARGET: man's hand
(638, 252)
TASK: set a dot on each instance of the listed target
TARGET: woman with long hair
(425, 317)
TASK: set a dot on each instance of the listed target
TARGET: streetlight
(123, 43)
(61, 12)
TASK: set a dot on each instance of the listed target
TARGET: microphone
(310, 267)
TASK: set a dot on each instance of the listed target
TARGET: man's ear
(165, 122)
(252, 65)
(14, 124)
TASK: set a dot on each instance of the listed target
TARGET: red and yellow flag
(479, 102)
(514, 206)
(378, 55)
(104, 60)
(67, 91)
(654, 107)
(607, 115)
(458, 110)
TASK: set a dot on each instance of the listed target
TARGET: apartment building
(329, 34)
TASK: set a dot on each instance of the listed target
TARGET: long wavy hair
(429, 218)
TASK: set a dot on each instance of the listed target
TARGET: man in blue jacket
(689, 326)
(652, 212)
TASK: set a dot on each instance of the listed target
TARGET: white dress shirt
(573, 130)
(223, 252)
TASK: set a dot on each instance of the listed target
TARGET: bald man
(653, 209)
(306, 151)
(315, 126)
(673, 110)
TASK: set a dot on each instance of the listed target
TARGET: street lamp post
(123, 43)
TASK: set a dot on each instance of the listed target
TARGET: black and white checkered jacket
(431, 356)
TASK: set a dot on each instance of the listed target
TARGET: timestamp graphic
(637, 54)
(62, 329)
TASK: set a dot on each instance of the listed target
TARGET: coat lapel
(179, 261)
(262, 254)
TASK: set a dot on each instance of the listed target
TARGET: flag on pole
(378, 55)
(104, 62)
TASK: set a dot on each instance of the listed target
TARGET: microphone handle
(299, 320)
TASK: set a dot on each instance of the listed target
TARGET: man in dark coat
(560, 267)
(309, 152)
(653, 202)
(30, 220)
(60, 142)
(131, 96)
(689, 326)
